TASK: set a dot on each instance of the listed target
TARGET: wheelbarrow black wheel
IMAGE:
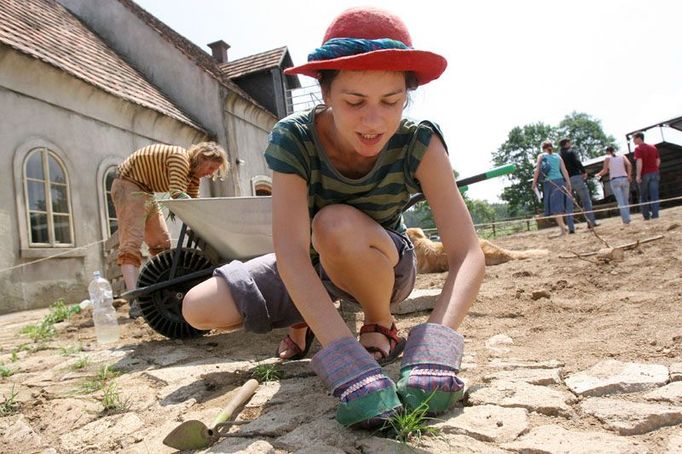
(162, 309)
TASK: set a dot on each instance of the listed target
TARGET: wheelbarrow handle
(244, 393)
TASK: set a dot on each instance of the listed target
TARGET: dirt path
(567, 310)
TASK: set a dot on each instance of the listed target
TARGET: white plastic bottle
(103, 312)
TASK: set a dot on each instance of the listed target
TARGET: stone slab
(612, 377)
(318, 434)
(539, 399)
(297, 402)
(510, 364)
(441, 443)
(241, 446)
(115, 427)
(674, 445)
(490, 423)
(552, 439)
(671, 392)
(419, 300)
(631, 418)
(531, 376)
(676, 372)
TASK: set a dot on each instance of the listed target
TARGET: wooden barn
(667, 136)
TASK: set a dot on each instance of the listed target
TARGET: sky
(510, 63)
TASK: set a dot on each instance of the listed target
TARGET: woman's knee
(209, 305)
(335, 228)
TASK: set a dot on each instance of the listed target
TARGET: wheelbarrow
(214, 232)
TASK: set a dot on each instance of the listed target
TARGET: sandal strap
(292, 346)
(390, 333)
(299, 325)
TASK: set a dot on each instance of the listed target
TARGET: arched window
(111, 219)
(48, 205)
(261, 185)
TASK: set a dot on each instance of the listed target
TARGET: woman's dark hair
(610, 149)
(327, 76)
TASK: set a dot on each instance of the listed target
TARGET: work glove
(428, 372)
(367, 396)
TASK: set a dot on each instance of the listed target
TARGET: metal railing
(304, 98)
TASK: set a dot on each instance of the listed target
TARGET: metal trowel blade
(188, 435)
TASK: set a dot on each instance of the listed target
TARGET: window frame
(259, 182)
(45, 155)
(106, 166)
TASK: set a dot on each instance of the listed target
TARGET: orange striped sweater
(160, 168)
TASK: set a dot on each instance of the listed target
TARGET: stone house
(78, 94)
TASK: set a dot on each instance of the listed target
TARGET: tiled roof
(191, 50)
(254, 63)
(45, 30)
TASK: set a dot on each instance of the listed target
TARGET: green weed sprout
(5, 371)
(267, 372)
(80, 363)
(111, 400)
(411, 426)
(9, 405)
(41, 332)
(59, 312)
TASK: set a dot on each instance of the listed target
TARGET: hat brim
(426, 66)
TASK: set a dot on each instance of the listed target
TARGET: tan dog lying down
(431, 256)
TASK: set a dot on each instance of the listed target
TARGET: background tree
(522, 148)
(587, 136)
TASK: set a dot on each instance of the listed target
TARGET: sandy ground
(558, 307)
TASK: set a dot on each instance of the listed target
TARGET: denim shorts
(263, 300)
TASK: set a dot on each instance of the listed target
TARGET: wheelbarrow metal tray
(237, 227)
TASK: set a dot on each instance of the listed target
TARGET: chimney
(219, 50)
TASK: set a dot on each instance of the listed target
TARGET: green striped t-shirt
(381, 194)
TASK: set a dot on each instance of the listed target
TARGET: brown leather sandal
(299, 353)
(396, 343)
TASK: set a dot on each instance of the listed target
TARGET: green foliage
(80, 363)
(14, 357)
(111, 400)
(59, 312)
(104, 374)
(9, 404)
(5, 371)
(411, 426)
(267, 372)
(523, 146)
(423, 216)
(41, 332)
(44, 330)
(481, 211)
(587, 136)
(71, 349)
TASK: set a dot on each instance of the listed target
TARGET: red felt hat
(373, 23)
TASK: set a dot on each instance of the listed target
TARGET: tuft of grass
(267, 372)
(14, 357)
(411, 426)
(5, 371)
(70, 350)
(59, 312)
(41, 332)
(107, 372)
(9, 404)
(104, 374)
(80, 363)
(111, 400)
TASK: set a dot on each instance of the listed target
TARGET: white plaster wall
(238, 125)
(41, 105)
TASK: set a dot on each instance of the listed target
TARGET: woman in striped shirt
(156, 168)
(342, 174)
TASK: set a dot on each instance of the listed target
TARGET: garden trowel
(195, 435)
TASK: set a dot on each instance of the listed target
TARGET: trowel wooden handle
(243, 394)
